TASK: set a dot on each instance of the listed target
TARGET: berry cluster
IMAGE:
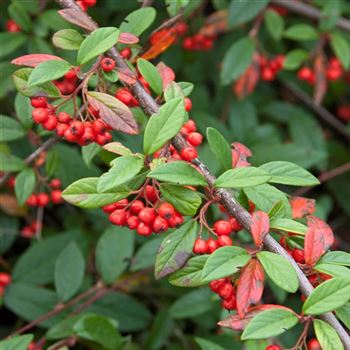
(146, 216)
(198, 42)
(343, 112)
(42, 199)
(72, 130)
(224, 288)
(85, 4)
(270, 68)
(69, 82)
(124, 95)
(334, 71)
(5, 280)
(30, 230)
(12, 26)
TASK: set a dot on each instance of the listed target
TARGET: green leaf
(64, 328)
(242, 11)
(191, 274)
(20, 79)
(295, 58)
(124, 169)
(242, 177)
(24, 185)
(89, 152)
(67, 39)
(288, 225)
(269, 323)
(224, 262)
(336, 258)
(69, 271)
(23, 110)
(333, 270)
(186, 87)
(10, 129)
(146, 255)
(237, 59)
(301, 32)
(341, 47)
(181, 173)
(327, 336)
(113, 252)
(207, 344)
(48, 71)
(175, 249)
(9, 162)
(163, 125)
(19, 14)
(98, 42)
(83, 193)
(220, 147)
(289, 174)
(99, 329)
(174, 6)
(151, 75)
(185, 200)
(11, 42)
(280, 271)
(16, 343)
(343, 314)
(274, 24)
(328, 296)
(138, 21)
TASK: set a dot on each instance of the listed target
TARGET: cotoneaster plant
(261, 234)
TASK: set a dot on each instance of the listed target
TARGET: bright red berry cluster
(12, 26)
(42, 199)
(85, 4)
(69, 82)
(273, 347)
(226, 291)
(343, 112)
(72, 130)
(5, 280)
(270, 68)
(198, 42)
(31, 229)
(145, 216)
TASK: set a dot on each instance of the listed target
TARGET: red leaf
(79, 18)
(318, 239)
(34, 59)
(128, 38)
(166, 73)
(239, 155)
(250, 286)
(127, 76)
(215, 24)
(260, 227)
(238, 324)
(301, 207)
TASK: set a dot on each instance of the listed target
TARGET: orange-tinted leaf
(239, 155)
(250, 286)
(166, 73)
(215, 24)
(159, 41)
(127, 76)
(301, 207)
(128, 38)
(318, 239)
(321, 81)
(74, 16)
(34, 59)
(10, 206)
(260, 226)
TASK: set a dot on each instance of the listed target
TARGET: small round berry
(100, 139)
(55, 183)
(43, 199)
(143, 229)
(147, 215)
(71, 75)
(11, 182)
(77, 127)
(188, 104)
(298, 255)
(176, 220)
(190, 125)
(194, 139)
(160, 224)
(151, 193)
(38, 102)
(166, 210)
(89, 3)
(40, 115)
(27, 232)
(64, 117)
(69, 136)
(229, 304)
(305, 73)
(224, 241)
(99, 126)
(118, 217)
(121, 204)
(109, 208)
(56, 197)
(107, 64)
(235, 225)
(267, 74)
(136, 206)
(88, 136)
(200, 246)
(226, 291)
(273, 347)
(212, 245)
(12, 26)
(222, 227)
(5, 279)
(188, 153)
(126, 53)
(32, 200)
(133, 222)
(50, 124)
(217, 284)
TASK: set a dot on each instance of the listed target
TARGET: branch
(150, 106)
(309, 11)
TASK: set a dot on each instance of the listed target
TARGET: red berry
(12, 26)
(64, 117)
(190, 125)
(181, 28)
(88, 136)
(118, 217)
(43, 199)
(32, 200)
(235, 225)
(147, 215)
(224, 241)
(188, 153)
(51, 123)
(27, 232)
(298, 255)
(273, 347)
(69, 136)
(212, 245)
(55, 183)
(151, 193)
(217, 284)
(107, 64)
(126, 97)
(133, 222)
(194, 139)
(11, 182)
(101, 140)
(230, 304)
(200, 246)
(313, 344)
(56, 197)
(99, 126)
(121, 204)
(222, 228)
(143, 229)
(126, 53)
(35, 225)
(109, 208)
(267, 74)
(40, 115)
(176, 220)
(226, 291)
(38, 102)
(89, 3)
(71, 75)
(305, 73)
(188, 104)
(136, 206)
(5, 279)
(77, 127)
(160, 224)
(166, 210)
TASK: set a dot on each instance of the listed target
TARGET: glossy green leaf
(207, 344)
(146, 255)
(333, 270)
(138, 21)
(220, 147)
(242, 11)
(151, 75)
(11, 42)
(341, 47)
(67, 39)
(274, 24)
(295, 58)
(16, 343)
(343, 314)
(48, 71)
(23, 110)
(24, 185)
(327, 336)
(9, 162)
(10, 129)
(288, 225)
(336, 258)
(301, 32)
